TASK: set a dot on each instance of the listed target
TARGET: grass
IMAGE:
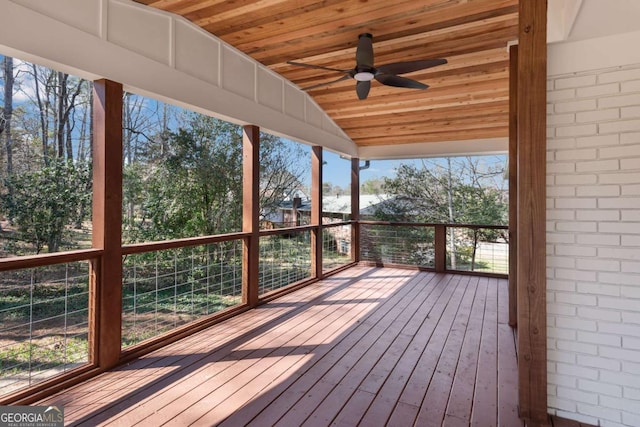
(49, 352)
(493, 258)
(148, 315)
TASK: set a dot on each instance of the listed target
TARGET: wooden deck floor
(369, 346)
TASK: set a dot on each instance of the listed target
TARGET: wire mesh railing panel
(336, 246)
(166, 289)
(398, 244)
(44, 323)
(484, 250)
(284, 259)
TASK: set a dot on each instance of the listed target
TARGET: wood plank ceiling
(467, 98)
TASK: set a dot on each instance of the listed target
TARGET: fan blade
(397, 81)
(364, 52)
(345, 77)
(316, 67)
(362, 88)
(410, 66)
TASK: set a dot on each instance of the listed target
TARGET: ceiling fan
(364, 71)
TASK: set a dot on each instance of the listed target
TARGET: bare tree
(8, 111)
(55, 96)
(66, 103)
(42, 101)
(450, 209)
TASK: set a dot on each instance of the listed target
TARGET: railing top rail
(476, 226)
(301, 228)
(41, 260)
(136, 248)
(426, 224)
(287, 230)
(337, 224)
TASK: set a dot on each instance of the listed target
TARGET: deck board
(369, 346)
(485, 400)
(461, 395)
(361, 366)
(183, 353)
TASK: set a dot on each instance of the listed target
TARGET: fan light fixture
(365, 71)
(364, 76)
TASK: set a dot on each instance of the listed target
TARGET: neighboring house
(297, 211)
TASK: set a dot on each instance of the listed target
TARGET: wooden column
(107, 222)
(250, 213)
(355, 209)
(316, 211)
(513, 185)
(531, 279)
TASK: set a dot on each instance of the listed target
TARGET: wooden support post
(440, 248)
(107, 223)
(316, 212)
(250, 213)
(532, 325)
(513, 185)
(355, 209)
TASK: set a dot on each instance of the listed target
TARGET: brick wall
(593, 245)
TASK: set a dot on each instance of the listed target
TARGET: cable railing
(336, 245)
(44, 318)
(167, 288)
(398, 244)
(285, 258)
(481, 249)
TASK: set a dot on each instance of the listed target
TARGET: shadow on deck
(369, 346)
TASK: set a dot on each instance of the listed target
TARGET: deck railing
(169, 289)
(336, 245)
(164, 288)
(481, 249)
(285, 258)
(44, 317)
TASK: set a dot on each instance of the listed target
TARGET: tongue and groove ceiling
(467, 98)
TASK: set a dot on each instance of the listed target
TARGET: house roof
(340, 204)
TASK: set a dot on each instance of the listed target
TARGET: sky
(24, 88)
(337, 171)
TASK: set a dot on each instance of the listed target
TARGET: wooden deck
(369, 346)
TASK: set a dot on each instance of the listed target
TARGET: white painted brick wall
(593, 241)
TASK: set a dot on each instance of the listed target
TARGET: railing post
(250, 214)
(440, 248)
(316, 212)
(106, 300)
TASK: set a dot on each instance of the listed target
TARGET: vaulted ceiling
(467, 97)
